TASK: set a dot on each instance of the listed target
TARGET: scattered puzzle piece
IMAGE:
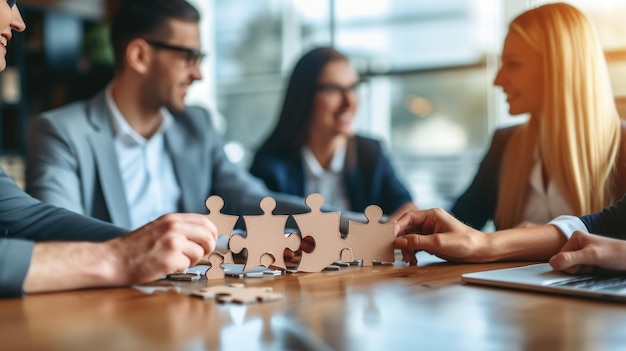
(372, 241)
(324, 228)
(265, 240)
(216, 271)
(237, 293)
(224, 223)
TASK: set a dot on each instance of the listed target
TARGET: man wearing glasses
(135, 151)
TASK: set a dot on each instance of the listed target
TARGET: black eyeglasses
(332, 88)
(11, 3)
(193, 55)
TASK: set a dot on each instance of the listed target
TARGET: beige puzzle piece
(237, 293)
(216, 271)
(265, 240)
(224, 223)
(323, 227)
(371, 241)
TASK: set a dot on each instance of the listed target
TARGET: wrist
(111, 267)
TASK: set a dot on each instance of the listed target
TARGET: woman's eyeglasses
(332, 88)
(193, 56)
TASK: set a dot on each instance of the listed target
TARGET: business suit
(610, 222)
(72, 163)
(368, 176)
(478, 203)
(24, 220)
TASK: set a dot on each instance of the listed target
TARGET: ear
(138, 56)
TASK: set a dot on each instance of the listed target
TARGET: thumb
(569, 261)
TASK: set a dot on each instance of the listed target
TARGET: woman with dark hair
(313, 148)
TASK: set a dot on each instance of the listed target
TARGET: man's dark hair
(141, 18)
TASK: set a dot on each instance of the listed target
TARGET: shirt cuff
(15, 256)
(568, 225)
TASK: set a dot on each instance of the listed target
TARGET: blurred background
(430, 65)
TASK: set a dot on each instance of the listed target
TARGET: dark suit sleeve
(477, 205)
(24, 220)
(262, 168)
(394, 194)
(610, 222)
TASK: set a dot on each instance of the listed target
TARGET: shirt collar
(123, 130)
(336, 164)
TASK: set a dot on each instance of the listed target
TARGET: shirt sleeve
(15, 256)
(567, 225)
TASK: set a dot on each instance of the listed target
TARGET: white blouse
(543, 205)
(329, 183)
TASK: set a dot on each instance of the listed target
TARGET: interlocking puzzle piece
(323, 227)
(216, 271)
(265, 239)
(237, 293)
(224, 223)
(371, 241)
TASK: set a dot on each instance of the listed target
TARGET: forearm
(66, 266)
(536, 243)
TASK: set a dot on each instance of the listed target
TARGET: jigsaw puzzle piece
(216, 271)
(224, 223)
(323, 227)
(265, 236)
(371, 241)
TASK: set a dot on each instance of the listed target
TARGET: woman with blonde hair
(568, 158)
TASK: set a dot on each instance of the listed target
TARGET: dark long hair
(290, 132)
(137, 18)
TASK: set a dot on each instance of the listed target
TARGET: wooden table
(371, 308)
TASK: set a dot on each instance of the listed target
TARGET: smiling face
(10, 20)
(521, 76)
(171, 72)
(335, 100)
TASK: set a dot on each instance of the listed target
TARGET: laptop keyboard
(594, 283)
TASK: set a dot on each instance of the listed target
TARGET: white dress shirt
(567, 225)
(328, 183)
(146, 168)
(543, 204)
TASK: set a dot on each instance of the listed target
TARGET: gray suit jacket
(72, 163)
(24, 220)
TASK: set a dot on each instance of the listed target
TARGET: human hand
(585, 252)
(171, 243)
(439, 233)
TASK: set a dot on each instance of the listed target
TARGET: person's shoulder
(197, 113)
(65, 114)
(264, 156)
(506, 131)
(367, 142)
(503, 135)
(196, 119)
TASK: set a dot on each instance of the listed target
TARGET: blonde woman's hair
(578, 132)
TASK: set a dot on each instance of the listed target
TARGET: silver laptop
(540, 277)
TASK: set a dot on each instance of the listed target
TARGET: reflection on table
(355, 308)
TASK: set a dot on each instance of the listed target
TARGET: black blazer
(478, 203)
(369, 177)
